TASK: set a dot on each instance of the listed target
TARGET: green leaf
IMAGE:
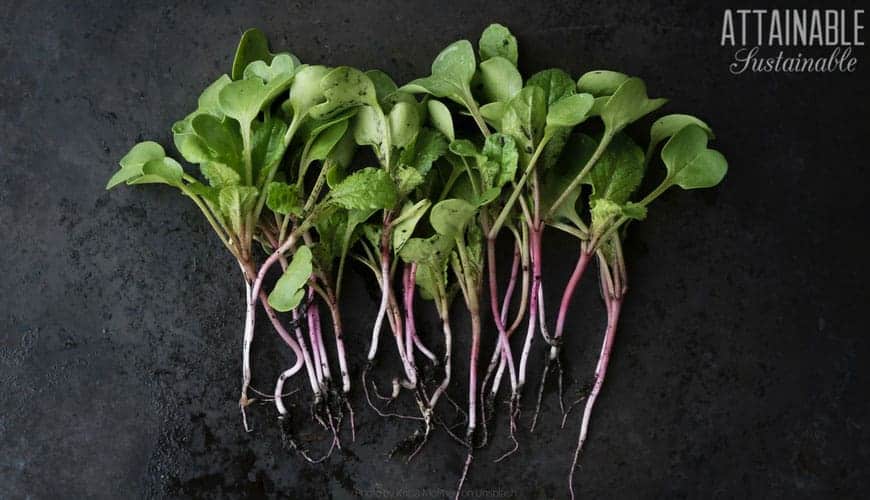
(235, 203)
(407, 180)
(403, 226)
(666, 126)
(219, 175)
(690, 164)
(253, 46)
(305, 92)
(208, 100)
(499, 79)
(604, 212)
(134, 160)
(404, 121)
(384, 87)
(618, 172)
(500, 165)
(370, 129)
(280, 66)
(628, 104)
(288, 291)
(497, 41)
(342, 154)
(268, 147)
(577, 152)
(160, 171)
(525, 118)
(221, 137)
(634, 211)
(494, 113)
(569, 111)
(283, 198)
(188, 144)
(464, 148)
(326, 141)
(553, 149)
(601, 82)
(429, 146)
(452, 72)
(369, 188)
(487, 197)
(449, 217)
(344, 88)
(555, 83)
(441, 118)
(330, 230)
(242, 100)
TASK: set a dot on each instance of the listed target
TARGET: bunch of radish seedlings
(305, 167)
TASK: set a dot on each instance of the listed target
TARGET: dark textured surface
(741, 369)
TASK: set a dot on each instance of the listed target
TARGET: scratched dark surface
(740, 370)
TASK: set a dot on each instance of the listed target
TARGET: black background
(740, 369)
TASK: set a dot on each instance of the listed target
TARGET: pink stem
(509, 293)
(613, 309)
(408, 273)
(338, 329)
(535, 254)
(472, 373)
(496, 314)
(411, 325)
(567, 295)
(314, 312)
(312, 335)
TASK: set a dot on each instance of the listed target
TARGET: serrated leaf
(499, 79)
(369, 188)
(288, 291)
(235, 203)
(634, 211)
(500, 165)
(283, 198)
(407, 180)
(218, 174)
(690, 164)
(429, 146)
(618, 172)
(441, 118)
(497, 41)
